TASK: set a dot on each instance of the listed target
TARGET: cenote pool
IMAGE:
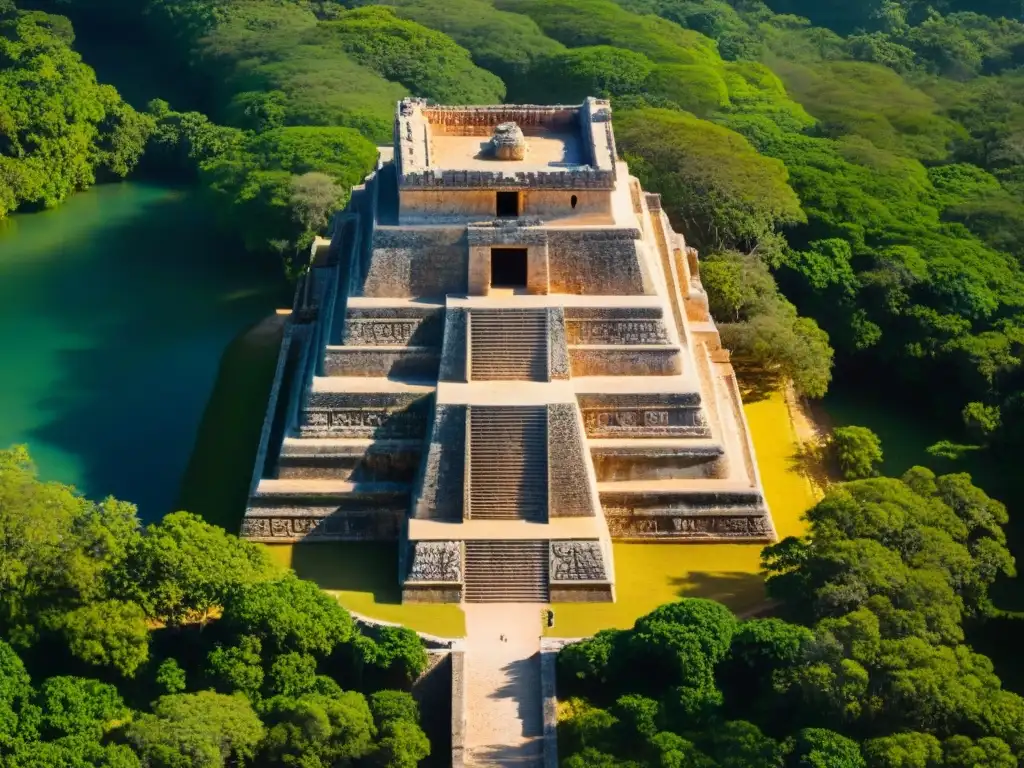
(115, 309)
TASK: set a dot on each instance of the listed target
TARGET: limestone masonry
(503, 360)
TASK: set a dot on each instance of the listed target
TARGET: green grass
(648, 575)
(216, 481)
(364, 578)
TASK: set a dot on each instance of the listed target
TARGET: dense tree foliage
(872, 671)
(179, 645)
(59, 128)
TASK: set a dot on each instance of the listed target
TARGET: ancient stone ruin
(508, 142)
(504, 366)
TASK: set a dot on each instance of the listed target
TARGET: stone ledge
(610, 360)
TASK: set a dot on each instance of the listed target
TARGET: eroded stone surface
(577, 561)
(435, 561)
(508, 142)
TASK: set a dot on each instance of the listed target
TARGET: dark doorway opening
(508, 267)
(508, 204)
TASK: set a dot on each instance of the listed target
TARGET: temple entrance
(508, 267)
(507, 204)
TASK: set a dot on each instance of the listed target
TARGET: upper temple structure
(503, 361)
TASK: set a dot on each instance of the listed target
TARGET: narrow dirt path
(504, 719)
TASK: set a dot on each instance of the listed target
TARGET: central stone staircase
(506, 571)
(508, 471)
(509, 345)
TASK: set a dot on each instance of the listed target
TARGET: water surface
(114, 311)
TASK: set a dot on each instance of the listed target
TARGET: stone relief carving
(360, 332)
(621, 524)
(366, 527)
(395, 423)
(616, 332)
(576, 561)
(685, 421)
(435, 561)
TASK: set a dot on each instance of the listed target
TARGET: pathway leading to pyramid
(504, 719)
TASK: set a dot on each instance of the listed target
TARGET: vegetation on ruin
(179, 644)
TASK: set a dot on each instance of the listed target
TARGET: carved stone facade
(435, 561)
(754, 528)
(506, 331)
(352, 527)
(577, 561)
(644, 422)
(365, 422)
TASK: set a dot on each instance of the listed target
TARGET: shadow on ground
(739, 591)
(357, 566)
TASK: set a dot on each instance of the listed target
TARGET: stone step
(508, 473)
(508, 344)
(682, 497)
(352, 459)
(621, 459)
(506, 571)
(373, 361)
(625, 360)
(322, 498)
(367, 407)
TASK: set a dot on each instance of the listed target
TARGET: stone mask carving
(508, 142)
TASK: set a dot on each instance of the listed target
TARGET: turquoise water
(114, 311)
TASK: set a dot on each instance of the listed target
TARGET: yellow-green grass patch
(648, 575)
(364, 578)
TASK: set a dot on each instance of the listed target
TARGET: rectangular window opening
(508, 267)
(507, 204)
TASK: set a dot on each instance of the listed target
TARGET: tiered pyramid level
(504, 365)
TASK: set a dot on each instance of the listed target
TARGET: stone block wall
(605, 325)
(626, 361)
(365, 415)
(651, 463)
(454, 350)
(416, 262)
(570, 492)
(596, 261)
(272, 526)
(441, 484)
(393, 326)
(678, 415)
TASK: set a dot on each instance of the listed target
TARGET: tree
(292, 674)
(238, 668)
(402, 744)
(74, 706)
(569, 77)
(112, 633)
(715, 187)
(821, 748)
(320, 730)
(18, 715)
(398, 648)
(288, 615)
(981, 421)
(903, 750)
(59, 126)
(857, 451)
(315, 197)
(183, 568)
(205, 730)
(60, 550)
(170, 677)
